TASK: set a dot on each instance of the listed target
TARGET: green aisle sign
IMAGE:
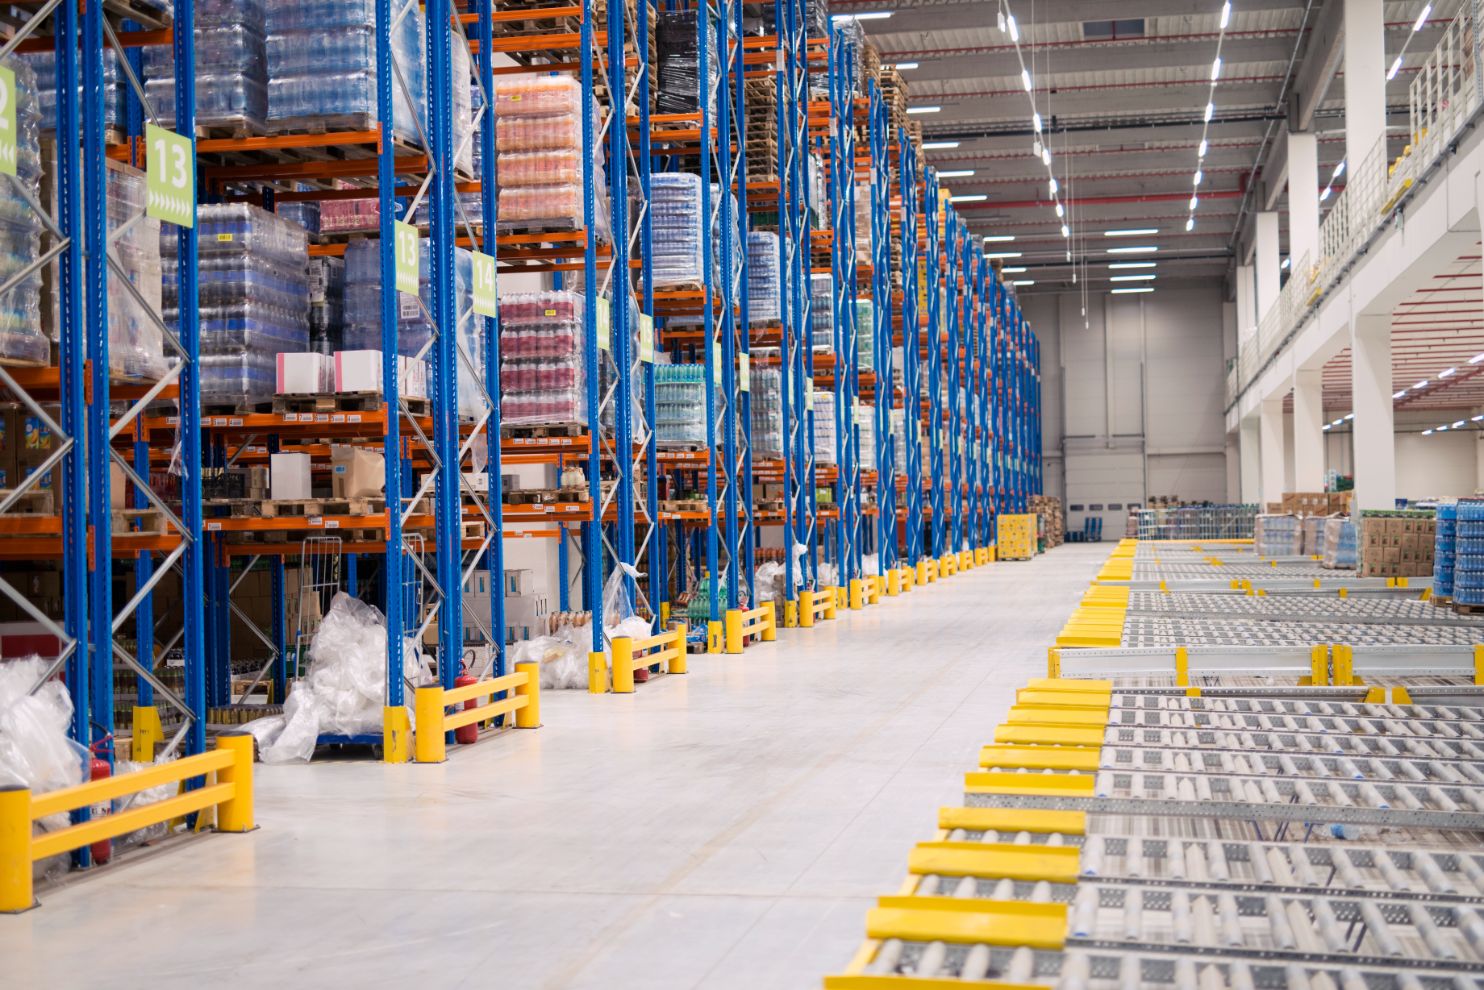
(405, 240)
(170, 178)
(646, 338)
(7, 121)
(605, 324)
(484, 284)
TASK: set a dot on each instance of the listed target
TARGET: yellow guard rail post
(230, 793)
(760, 622)
(629, 655)
(434, 720)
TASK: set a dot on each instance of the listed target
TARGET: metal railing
(1446, 93)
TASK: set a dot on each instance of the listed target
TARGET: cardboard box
(303, 373)
(356, 472)
(289, 477)
(357, 371)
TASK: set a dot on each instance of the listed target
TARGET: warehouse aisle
(726, 829)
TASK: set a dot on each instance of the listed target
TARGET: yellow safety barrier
(231, 794)
(759, 622)
(432, 702)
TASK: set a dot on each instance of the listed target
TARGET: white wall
(1132, 399)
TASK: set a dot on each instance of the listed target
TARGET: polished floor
(728, 828)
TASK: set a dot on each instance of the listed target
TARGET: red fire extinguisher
(100, 769)
(466, 734)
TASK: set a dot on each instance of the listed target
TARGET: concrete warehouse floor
(728, 828)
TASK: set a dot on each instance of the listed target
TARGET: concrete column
(1308, 431)
(1365, 80)
(1249, 444)
(1374, 438)
(1303, 201)
(1266, 260)
(1271, 420)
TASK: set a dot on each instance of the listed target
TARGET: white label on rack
(604, 319)
(744, 372)
(646, 338)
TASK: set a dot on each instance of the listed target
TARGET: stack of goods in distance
(762, 278)
(1277, 535)
(679, 78)
(541, 166)
(254, 299)
(767, 413)
(542, 372)
(1468, 566)
(675, 206)
(1445, 551)
(231, 68)
(21, 337)
(680, 404)
(1398, 543)
(824, 428)
(1341, 546)
(136, 345)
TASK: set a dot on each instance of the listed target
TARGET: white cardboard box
(288, 476)
(302, 373)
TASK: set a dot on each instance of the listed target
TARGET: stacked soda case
(1445, 550)
(254, 298)
(767, 413)
(680, 404)
(824, 428)
(1341, 544)
(322, 65)
(1468, 563)
(136, 345)
(678, 49)
(675, 206)
(762, 277)
(231, 68)
(865, 334)
(542, 370)
(21, 336)
(541, 164)
(821, 311)
(44, 65)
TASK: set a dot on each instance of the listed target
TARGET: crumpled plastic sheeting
(35, 750)
(345, 689)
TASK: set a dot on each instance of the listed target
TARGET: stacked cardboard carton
(1397, 544)
(1053, 523)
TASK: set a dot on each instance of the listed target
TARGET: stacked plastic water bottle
(675, 206)
(1468, 564)
(44, 64)
(821, 311)
(762, 277)
(767, 413)
(824, 427)
(680, 403)
(21, 338)
(542, 369)
(231, 67)
(322, 65)
(541, 163)
(1445, 550)
(254, 297)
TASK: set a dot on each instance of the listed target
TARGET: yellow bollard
(856, 598)
(893, 583)
(770, 630)
(623, 665)
(734, 630)
(790, 615)
(396, 734)
(148, 733)
(597, 673)
(236, 814)
(680, 664)
(428, 744)
(529, 717)
(713, 637)
(15, 851)
(806, 609)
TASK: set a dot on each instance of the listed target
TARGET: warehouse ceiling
(1123, 103)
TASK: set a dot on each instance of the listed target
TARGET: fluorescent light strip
(1133, 232)
(1126, 292)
